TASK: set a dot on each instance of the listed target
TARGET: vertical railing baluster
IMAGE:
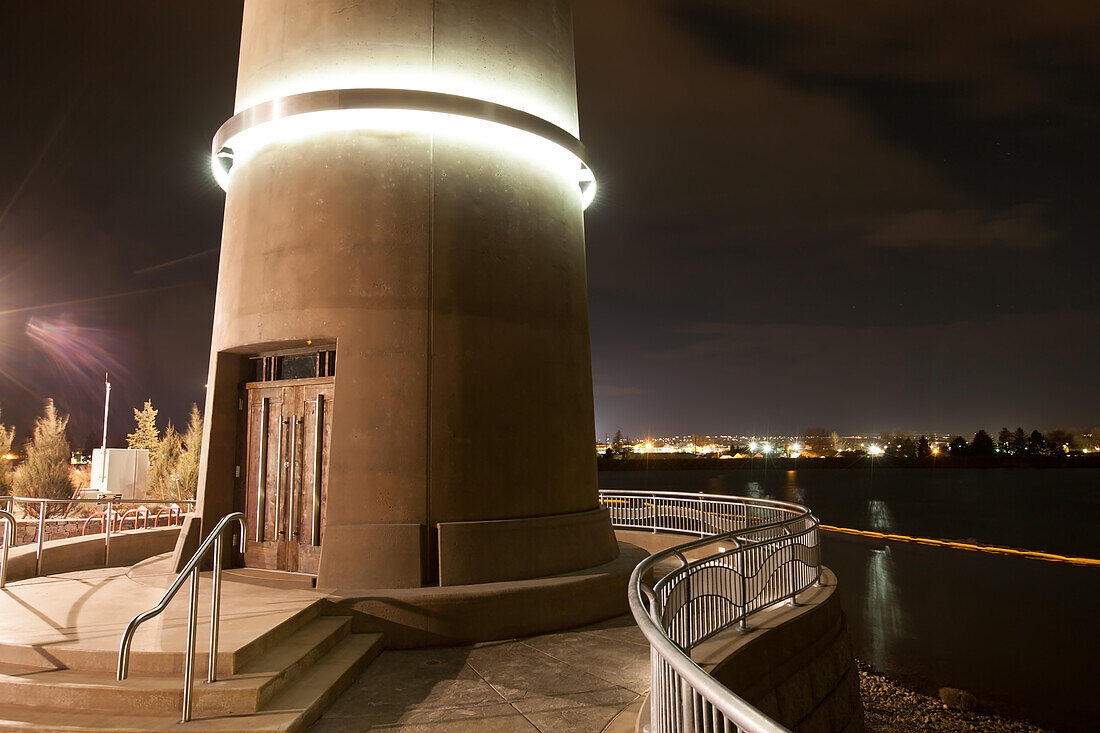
(189, 653)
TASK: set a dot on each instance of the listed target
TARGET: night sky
(864, 215)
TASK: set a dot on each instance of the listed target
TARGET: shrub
(46, 473)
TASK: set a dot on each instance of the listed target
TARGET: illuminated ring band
(331, 100)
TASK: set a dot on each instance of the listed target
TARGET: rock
(959, 699)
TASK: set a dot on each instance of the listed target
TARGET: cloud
(1019, 227)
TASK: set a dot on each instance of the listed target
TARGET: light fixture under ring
(413, 100)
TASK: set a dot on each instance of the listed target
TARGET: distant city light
(753, 446)
(875, 450)
(767, 448)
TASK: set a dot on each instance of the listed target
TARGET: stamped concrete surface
(577, 680)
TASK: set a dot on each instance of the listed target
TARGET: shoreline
(892, 706)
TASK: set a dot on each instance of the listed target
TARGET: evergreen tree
(924, 449)
(1004, 440)
(46, 473)
(982, 444)
(1036, 444)
(145, 435)
(187, 466)
(7, 435)
(162, 464)
(1019, 442)
(907, 448)
(957, 446)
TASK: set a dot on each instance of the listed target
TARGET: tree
(145, 435)
(819, 441)
(7, 435)
(162, 465)
(982, 444)
(46, 473)
(924, 449)
(187, 465)
(907, 448)
(1004, 440)
(1061, 441)
(1036, 444)
(957, 446)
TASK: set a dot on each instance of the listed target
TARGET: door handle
(261, 471)
(279, 479)
(292, 489)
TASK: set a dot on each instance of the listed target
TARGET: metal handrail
(6, 539)
(192, 569)
(683, 697)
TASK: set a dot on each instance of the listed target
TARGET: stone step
(244, 692)
(100, 656)
(293, 708)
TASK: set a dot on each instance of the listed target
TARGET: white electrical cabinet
(120, 472)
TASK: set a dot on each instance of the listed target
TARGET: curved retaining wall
(82, 553)
(796, 666)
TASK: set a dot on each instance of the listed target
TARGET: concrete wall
(797, 668)
(450, 272)
(82, 553)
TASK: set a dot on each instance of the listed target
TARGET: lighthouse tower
(400, 376)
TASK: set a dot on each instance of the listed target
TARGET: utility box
(120, 473)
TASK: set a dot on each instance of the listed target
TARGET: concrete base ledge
(81, 553)
(518, 549)
(466, 614)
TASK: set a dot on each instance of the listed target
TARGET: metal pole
(107, 536)
(41, 535)
(215, 612)
(106, 408)
(189, 656)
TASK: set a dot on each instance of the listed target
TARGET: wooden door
(286, 467)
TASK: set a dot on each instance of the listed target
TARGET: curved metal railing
(191, 568)
(42, 506)
(751, 554)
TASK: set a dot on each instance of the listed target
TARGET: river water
(1020, 634)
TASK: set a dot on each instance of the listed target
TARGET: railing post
(41, 536)
(791, 583)
(699, 510)
(107, 536)
(189, 654)
(739, 559)
(8, 527)
(215, 611)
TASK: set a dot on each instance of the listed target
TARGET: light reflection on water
(878, 516)
(882, 608)
(792, 492)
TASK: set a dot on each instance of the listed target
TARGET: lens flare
(78, 355)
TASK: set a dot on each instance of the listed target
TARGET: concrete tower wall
(448, 267)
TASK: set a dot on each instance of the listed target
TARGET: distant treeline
(689, 463)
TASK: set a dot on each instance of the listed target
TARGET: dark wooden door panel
(286, 472)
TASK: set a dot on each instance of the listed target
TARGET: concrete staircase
(281, 680)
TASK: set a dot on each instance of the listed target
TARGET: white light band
(392, 109)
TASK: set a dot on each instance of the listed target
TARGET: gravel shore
(890, 707)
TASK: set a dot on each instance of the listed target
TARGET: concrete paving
(577, 680)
